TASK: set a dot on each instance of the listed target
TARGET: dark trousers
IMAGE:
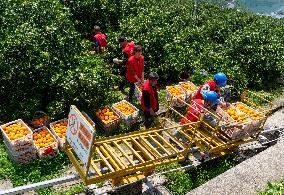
(131, 92)
(122, 82)
(148, 118)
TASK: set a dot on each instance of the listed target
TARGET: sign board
(80, 134)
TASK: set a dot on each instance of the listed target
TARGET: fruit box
(19, 143)
(257, 117)
(107, 126)
(244, 120)
(129, 118)
(189, 88)
(176, 102)
(236, 133)
(138, 90)
(23, 158)
(22, 149)
(50, 149)
(61, 139)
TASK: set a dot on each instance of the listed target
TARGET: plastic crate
(28, 147)
(107, 127)
(21, 143)
(234, 132)
(22, 158)
(130, 118)
(138, 90)
(61, 140)
(49, 150)
(40, 119)
(175, 101)
(188, 92)
(256, 121)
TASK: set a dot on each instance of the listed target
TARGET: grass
(180, 182)
(275, 188)
(268, 95)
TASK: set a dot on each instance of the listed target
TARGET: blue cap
(221, 79)
(212, 97)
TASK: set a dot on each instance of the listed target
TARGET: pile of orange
(252, 113)
(237, 116)
(40, 121)
(187, 86)
(43, 138)
(175, 91)
(15, 131)
(125, 108)
(106, 115)
(60, 128)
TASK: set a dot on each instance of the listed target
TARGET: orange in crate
(106, 115)
(15, 131)
(252, 113)
(60, 128)
(125, 108)
(240, 117)
(187, 86)
(43, 138)
(175, 91)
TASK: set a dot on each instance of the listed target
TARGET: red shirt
(128, 49)
(153, 99)
(101, 38)
(194, 111)
(135, 65)
(207, 86)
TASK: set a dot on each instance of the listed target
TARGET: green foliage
(35, 46)
(214, 39)
(88, 13)
(182, 181)
(42, 63)
(274, 188)
(77, 188)
(36, 171)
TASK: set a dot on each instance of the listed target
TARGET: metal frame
(129, 157)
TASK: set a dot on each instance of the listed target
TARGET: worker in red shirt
(149, 99)
(99, 40)
(127, 50)
(220, 80)
(199, 111)
(135, 70)
(210, 98)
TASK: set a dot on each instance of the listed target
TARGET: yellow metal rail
(129, 157)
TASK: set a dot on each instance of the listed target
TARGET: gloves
(115, 60)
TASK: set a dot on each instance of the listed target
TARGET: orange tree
(42, 66)
(177, 37)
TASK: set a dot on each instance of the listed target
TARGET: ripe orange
(106, 115)
(60, 128)
(15, 131)
(43, 138)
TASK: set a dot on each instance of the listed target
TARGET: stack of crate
(45, 142)
(18, 138)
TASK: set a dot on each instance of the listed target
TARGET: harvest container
(244, 120)
(61, 138)
(49, 149)
(176, 99)
(17, 144)
(107, 126)
(130, 117)
(189, 88)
